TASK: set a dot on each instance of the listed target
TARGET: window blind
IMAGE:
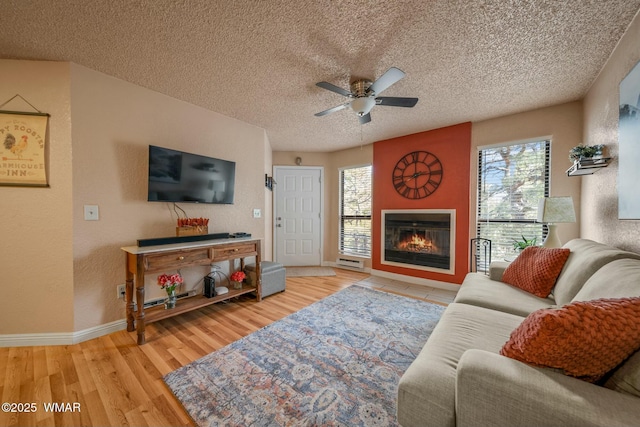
(511, 181)
(355, 211)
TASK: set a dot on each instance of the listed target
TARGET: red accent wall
(452, 146)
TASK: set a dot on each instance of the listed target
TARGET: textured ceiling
(258, 61)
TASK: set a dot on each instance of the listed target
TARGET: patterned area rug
(336, 362)
(309, 271)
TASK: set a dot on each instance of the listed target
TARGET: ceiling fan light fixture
(362, 106)
(364, 95)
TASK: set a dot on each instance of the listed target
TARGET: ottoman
(273, 277)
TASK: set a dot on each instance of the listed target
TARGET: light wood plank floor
(119, 383)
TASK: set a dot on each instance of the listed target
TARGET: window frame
(342, 249)
(498, 249)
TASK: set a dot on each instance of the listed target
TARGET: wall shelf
(588, 166)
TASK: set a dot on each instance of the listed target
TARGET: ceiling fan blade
(332, 110)
(393, 101)
(334, 88)
(365, 119)
(392, 76)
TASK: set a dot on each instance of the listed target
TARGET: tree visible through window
(355, 211)
(511, 181)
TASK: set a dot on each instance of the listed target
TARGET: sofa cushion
(626, 378)
(495, 391)
(618, 279)
(426, 392)
(536, 269)
(586, 258)
(497, 268)
(585, 339)
(478, 289)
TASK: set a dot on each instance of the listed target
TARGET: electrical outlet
(122, 291)
(91, 213)
(257, 213)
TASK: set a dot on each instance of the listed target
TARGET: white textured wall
(563, 123)
(59, 271)
(113, 124)
(267, 213)
(36, 255)
(331, 162)
(599, 191)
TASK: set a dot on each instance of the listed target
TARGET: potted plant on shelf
(520, 245)
(580, 152)
(169, 284)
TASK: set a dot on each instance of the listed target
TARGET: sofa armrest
(496, 269)
(493, 390)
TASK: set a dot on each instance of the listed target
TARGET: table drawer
(176, 259)
(227, 252)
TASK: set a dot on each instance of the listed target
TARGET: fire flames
(416, 243)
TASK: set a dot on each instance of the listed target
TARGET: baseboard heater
(356, 264)
(161, 301)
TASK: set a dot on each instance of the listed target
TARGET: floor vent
(356, 264)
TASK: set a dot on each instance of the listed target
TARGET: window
(511, 181)
(355, 211)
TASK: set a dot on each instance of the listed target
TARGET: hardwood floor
(116, 382)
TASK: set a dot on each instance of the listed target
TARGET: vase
(171, 300)
(598, 153)
(237, 285)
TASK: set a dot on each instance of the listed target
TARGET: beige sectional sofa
(460, 379)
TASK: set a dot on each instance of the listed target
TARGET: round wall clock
(417, 175)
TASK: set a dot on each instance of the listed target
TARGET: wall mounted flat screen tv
(176, 176)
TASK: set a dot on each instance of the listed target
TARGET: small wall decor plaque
(22, 148)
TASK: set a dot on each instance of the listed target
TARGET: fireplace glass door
(420, 239)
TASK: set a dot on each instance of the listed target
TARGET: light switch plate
(91, 213)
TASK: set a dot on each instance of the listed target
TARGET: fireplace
(422, 239)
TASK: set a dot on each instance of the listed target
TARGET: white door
(297, 215)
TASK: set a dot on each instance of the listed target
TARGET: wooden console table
(159, 259)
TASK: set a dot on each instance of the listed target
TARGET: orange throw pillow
(585, 339)
(536, 269)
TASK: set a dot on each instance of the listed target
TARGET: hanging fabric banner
(22, 148)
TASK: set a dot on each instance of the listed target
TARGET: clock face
(417, 175)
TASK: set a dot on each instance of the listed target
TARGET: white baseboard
(61, 338)
(67, 338)
(417, 280)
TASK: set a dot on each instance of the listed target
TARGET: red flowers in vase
(169, 282)
(237, 276)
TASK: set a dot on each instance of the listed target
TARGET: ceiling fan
(364, 93)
